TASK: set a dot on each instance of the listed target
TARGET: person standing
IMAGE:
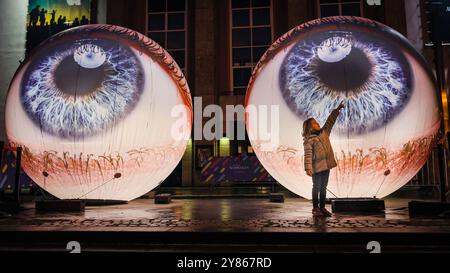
(319, 158)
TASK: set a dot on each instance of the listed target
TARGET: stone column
(12, 47)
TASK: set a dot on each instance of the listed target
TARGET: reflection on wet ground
(211, 215)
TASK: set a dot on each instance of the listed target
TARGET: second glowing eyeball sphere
(95, 110)
(383, 135)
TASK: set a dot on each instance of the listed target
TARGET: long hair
(307, 127)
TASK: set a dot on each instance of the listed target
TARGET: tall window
(167, 26)
(339, 7)
(251, 35)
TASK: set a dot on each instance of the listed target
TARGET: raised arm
(331, 120)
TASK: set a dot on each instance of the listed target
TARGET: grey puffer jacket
(319, 155)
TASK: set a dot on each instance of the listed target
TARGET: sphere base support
(55, 205)
(163, 198)
(429, 208)
(357, 205)
(276, 197)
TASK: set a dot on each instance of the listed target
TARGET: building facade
(218, 42)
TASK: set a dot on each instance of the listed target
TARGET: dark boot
(325, 212)
(317, 212)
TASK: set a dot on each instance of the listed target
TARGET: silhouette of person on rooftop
(34, 14)
(52, 20)
(76, 22)
(42, 17)
(84, 20)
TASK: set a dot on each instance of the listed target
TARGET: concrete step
(224, 241)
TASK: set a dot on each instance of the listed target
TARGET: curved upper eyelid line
(159, 53)
(129, 76)
(110, 38)
(398, 57)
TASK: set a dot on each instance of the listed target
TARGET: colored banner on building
(48, 17)
(234, 169)
(8, 173)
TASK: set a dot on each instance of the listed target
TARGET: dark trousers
(319, 191)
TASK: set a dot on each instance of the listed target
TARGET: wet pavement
(224, 223)
(254, 215)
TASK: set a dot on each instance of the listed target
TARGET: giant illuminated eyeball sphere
(383, 135)
(102, 112)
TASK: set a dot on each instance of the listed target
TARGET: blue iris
(373, 77)
(82, 87)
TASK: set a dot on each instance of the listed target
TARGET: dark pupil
(75, 80)
(348, 74)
